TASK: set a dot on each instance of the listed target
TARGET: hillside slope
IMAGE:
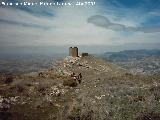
(105, 92)
(136, 61)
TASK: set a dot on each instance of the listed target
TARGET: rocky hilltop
(80, 88)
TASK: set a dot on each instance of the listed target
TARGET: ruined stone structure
(70, 51)
(73, 52)
(84, 54)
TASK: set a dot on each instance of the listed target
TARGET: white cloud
(69, 26)
(19, 16)
(155, 13)
(103, 22)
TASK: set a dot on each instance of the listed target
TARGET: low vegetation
(106, 92)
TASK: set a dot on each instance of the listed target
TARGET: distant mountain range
(136, 61)
(130, 54)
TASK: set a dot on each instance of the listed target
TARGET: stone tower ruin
(73, 52)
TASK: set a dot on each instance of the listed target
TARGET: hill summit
(80, 88)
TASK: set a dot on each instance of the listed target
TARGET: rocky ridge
(106, 92)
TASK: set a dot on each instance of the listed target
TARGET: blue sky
(108, 22)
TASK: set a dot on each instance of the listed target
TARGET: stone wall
(85, 54)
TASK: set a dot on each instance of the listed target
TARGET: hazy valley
(136, 61)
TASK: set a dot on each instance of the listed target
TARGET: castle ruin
(85, 54)
(73, 51)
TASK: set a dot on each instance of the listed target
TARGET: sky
(107, 23)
